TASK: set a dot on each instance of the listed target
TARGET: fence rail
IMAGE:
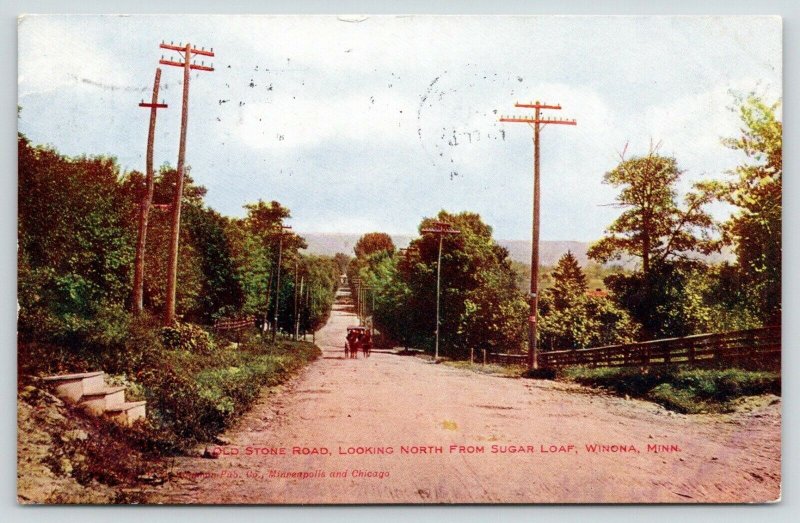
(506, 359)
(747, 347)
(228, 325)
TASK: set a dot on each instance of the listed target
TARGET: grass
(197, 396)
(679, 388)
(195, 387)
(506, 371)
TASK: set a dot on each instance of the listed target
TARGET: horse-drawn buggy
(359, 338)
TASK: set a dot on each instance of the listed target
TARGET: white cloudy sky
(362, 124)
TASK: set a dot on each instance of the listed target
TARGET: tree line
(675, 290)
(77, 231)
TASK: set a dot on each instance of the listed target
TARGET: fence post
(471, 355)
(484, 356)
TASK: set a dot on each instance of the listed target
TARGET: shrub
(688, 390)
(188, 337)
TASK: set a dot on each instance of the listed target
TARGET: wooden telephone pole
(187, 64)
(440, 229)
(536, 123)
(297, 311)
(281, 233)
(147, 200)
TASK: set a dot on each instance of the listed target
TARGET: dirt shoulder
(66, 457)
(392, 429)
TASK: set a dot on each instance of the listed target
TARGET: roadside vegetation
(679, 388)
(77, 230)
(653, 274)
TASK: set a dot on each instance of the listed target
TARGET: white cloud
(286, 124)
(51, 57)
(334, 92)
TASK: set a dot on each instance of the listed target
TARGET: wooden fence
(506, 359)
(232, 325)
(754, 347)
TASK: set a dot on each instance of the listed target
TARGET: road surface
(395, 429)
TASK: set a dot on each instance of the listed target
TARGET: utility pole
(362, 291)
(313, 330)
(147, 199)
(187, 64)
(299, 311)
(439, 229)
(269, 295)
(281, 233)
(407, 254)
(372, 313)
(536, 123)
(307, 309)
(357, 297)
(294, 315)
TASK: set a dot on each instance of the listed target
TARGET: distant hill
(328, 244)
(549, 251)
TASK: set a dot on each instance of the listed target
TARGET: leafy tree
(570, 319)
(190, 263)
(75, 248)
(342, 261)
(256, 242)
(755, 189)
(653, 226)
(569, 281)
(373, 242)
(684, 298)
(481, 306)
(321, 275)
(221, 295)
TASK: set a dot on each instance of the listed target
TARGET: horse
(367, 343)
(355, 344)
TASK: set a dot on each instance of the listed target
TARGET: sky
(362, 124)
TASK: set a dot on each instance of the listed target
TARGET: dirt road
(393, 429)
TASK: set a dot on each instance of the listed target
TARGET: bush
(196, 398)
(194, 391)
(683, 389)
(188, 337)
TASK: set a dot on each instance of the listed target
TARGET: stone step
(128, 412)
(72, 387)
(99, 402)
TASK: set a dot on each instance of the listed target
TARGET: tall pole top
(441, 228)
(189, 51)
(538, 120)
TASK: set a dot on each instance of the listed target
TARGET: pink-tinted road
(394, 429)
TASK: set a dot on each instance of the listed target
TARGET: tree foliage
(372, 243)
(480, 304)
(75, 248)
(653, 226)
(755, 189)
(571, 319)
(569, 281)
(78, 219)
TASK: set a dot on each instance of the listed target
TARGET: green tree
(373, 242)
(342, 261)
(75, 246)
(256, 243)
(569, 281)
(481, 306)
(653, 226)
(221, 295)
(755, 188)
(570, 319)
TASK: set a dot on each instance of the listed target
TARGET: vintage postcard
(399, 259)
